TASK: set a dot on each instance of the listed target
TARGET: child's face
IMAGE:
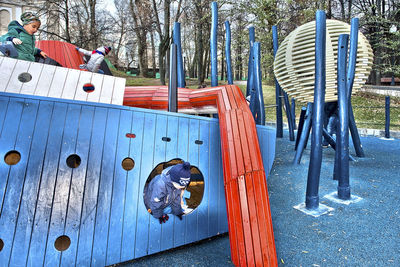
(32, 28)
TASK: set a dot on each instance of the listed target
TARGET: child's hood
(15, 25)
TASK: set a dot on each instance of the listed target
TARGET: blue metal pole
(172, 85)
(213, 44)
(343, 138)
(250, 65)
(258, 84)
(314, 169)
(293, 113)
(387, 116)
(350, 79)
(228, 52)
(279, 121)
(301, 123)
(304, 134)
(289, 116)
(179, 61)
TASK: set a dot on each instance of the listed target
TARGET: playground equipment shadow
(365, 233)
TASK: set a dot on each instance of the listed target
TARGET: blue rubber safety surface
(366, 233)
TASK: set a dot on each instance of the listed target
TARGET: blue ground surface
(366, 233)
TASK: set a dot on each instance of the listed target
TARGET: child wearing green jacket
(22, 36)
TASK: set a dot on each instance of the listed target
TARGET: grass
(369, 108)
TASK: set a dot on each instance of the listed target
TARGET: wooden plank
(7, 141)
(105, 189)
(88, 217)
(107, 89)
(57, 85)
(7, 68)
(183, 144)
(97, 81)
(118, 91)
(134, 188)
(77, 185)
(43, 207)
(191, 220)
(34, 169)
(45, 80)
(71, 84)
(13, 194)
(213, 178)
(204, 164)
(171, 152)
(35, 70)
(118, 191)
(155, 228)
(62, 186)
(142, 240)
(14, 85)
(80, 94)
(3, 111)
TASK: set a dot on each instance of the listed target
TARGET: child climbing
(163, 195)
(96, 57)
(22, 38)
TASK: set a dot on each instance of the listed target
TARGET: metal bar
(177, 42)
(387, 116)
(314, 169)
(279, 120)
(258, 84)
(293, 112)
(343, 137)
(304, 134)
(301, 123)
(228, 52)
(172, 85)
(213, 44)
(350, 78)
(250, 65)
(289, 116)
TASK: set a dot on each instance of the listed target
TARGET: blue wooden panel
(155, 228)
(214, 182)
(31, 187)
(86, 230)
(99, 249)
(77, 186)
(142, 236)
(183, 143)
(41, 223)
(203, 165)
(16, 176)
(62, 187)
(134, 193)
(118, 191)
(191, 220)
(171, 152)
(99, 205)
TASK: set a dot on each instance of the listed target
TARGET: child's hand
(16, 41)
(43, 54)
(77, 48)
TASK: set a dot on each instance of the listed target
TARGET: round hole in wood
(128, 164)
(88, 87)
(73, 161)
(24, 77)
(12, 157)
(62, 243)
(1, 244)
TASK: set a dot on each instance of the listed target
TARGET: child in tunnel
(163, 194)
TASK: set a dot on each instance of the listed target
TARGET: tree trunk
(199, 52)
(153, 55)
(93, 31)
